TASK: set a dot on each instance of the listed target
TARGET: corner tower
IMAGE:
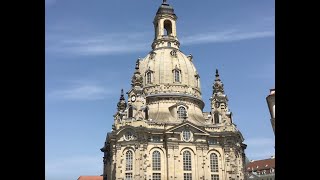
(161, 131)
(219, 103)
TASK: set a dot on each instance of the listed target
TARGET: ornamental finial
(122, 95)
(217, 75)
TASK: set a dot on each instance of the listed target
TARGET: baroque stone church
(161, 131)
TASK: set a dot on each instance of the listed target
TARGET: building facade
(261, 169)
(272, 107)
(161, 131)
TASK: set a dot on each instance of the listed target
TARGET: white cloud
(81, 92)
(73, 167)
(225, 36)
(104, 44)
(106, 49)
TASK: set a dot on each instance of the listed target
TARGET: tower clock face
(133, 98)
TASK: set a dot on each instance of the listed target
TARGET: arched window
(216, 118)
(156, 163)
(130, 114)
(214, 166)
(167, 28)
(148, 77)
(214, 162)
(169, 44)
(156, 30)
(129, 160)
(182, 112)
(187, 166)
(176, 75)
(186, 161)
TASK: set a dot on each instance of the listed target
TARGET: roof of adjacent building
(259, 165)
(90, 178)
(272, 91)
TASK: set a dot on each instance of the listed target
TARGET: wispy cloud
(69, 167)
(259, 148)
(114, 43)
(224, 36)
(81, 91)
(104, 44)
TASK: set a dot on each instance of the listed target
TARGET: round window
(186, 135)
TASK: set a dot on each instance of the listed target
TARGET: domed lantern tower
(161, 131)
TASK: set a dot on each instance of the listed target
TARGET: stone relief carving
(152, 55)
(190, 57)
(137, 79)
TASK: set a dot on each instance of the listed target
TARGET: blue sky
(91, 50)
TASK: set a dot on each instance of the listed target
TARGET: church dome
(166, 82)
(171, 81)
(168, 70)
(165, 8)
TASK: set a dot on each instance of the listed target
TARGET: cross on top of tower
(164, 2)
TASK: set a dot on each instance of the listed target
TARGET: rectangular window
(187, 163)
(212, 141)
(129, 176)
(187, 176)
(214, 177)
(176, 75)
(148, 77)
(156, 176)
(129, 161)
(156, 138)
